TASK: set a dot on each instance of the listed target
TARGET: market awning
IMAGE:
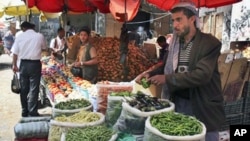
(16, 8)
(74, 6)
(21, 10)
(118, 8)
(167, 4)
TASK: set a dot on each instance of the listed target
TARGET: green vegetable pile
(124, 93)
(73, 104)
(145, 84)
(55, 133)
(91, 133)
(173, 124)
(81, 117)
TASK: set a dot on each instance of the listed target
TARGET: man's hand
(7, 51)
(142, 75)
(157, 79)
(77, 64)
(15, 68)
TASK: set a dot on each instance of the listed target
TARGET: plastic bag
(38, 129)
(15, 84)
(131, 116)
(114, 109)
(34, 119)
(76, 71)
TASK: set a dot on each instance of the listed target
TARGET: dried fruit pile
(109, 67)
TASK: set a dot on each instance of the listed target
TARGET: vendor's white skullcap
(190, 6)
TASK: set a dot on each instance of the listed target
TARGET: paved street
(10, 109)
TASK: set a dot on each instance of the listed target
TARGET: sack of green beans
(71, 106)
(114, 109)
(90, 133)
(80, 119)
(172, 126)
(55, 133)
(131, 116)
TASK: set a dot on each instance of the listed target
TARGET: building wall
(217, 22)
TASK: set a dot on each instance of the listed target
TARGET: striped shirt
(184, 57)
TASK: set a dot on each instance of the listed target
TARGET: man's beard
(185, 32)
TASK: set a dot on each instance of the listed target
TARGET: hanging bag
(15, 84)
(76, 71)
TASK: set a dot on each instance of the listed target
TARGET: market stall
(110, 108)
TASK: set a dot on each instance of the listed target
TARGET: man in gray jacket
(191, 78)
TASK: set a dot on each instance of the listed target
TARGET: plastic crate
(246, 119)
(103, 90)
(234, 119)
(234, 107)
(246, 89)
(246, 105)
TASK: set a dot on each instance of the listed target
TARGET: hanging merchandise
(124, 10)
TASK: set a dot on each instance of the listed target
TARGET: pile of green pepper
(81, 117)
(91, 133)
(170, 123)
(73, 104)
(124, 93)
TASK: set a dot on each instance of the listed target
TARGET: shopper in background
(134, 37)
(28, 48)
(191, 78)
(162, 42)
(58, 45)
(87, 56)
(9, 38)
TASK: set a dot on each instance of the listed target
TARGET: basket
(234, 107)
(246, 119)
(235, 119)
(246, 89)
(246, 108)
(103, 90)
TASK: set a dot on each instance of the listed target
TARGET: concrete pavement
(10, 109)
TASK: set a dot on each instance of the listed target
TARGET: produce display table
(116, 101)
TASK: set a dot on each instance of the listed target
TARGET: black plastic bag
(76, 71)
(15, 84)
(58, 56)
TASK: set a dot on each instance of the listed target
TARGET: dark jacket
(202, 81)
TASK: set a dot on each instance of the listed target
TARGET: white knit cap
(190, 6)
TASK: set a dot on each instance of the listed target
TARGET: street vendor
(58, 45)
(191, 78)
(87, 56)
